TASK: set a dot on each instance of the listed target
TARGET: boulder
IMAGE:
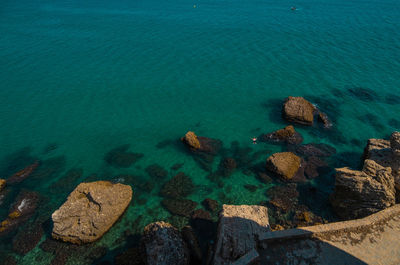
(164, 245)
(191, 140)
(361, 193)
(239, 228)
(299, 110)
(285, 135)
(90, 211)
(2, 184)
(285, 164)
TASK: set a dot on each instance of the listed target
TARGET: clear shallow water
(91, 76)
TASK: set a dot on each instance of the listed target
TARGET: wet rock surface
(238, 230)
(90, 211)
(286, 135)
(164, 245)
(21, 210)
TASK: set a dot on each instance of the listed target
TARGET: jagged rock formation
(361, 193)
(164, 245)
(238, 231)
(90, 211)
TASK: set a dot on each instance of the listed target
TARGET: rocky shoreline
(217, 233)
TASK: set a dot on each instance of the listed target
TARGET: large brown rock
(238, 231)
(285, 164)
(361, 193)
(164, 245)
(90, 211)
(299, 110)
(191, 140)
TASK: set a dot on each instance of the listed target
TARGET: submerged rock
(239, 228)
(204, 149)
(285, 164)
(164, 245)
(22, 174)
(211, 205)
(299, 110)
(156, 171)
(285, 135)
(313, 149)
(22, 209)
(227, 166)
(361, 193)
(90, 211)
(120, 157)
(178, 187)
(27, 239)
(283, 198)
(182, 207)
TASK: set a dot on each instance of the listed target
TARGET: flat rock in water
(238, 231)
(90, 211)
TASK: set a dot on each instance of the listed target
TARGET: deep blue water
(88, 76)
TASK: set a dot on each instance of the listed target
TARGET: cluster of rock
(361, 193)
(301, 111)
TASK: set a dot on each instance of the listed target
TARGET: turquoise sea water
(80, 79)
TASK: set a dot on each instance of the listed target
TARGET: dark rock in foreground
(164, 245)
(239, 228)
